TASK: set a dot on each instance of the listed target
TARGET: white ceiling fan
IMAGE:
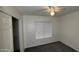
(52, 10)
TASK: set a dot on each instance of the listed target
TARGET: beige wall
(29, 33)
(14, 12)
(69, 34)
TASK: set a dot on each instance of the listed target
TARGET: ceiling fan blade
(59, 10)
(42, 11)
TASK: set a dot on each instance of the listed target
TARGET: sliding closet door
(6, 37)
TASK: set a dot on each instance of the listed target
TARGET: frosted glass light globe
(52, 13)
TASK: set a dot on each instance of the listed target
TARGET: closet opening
(15, 24)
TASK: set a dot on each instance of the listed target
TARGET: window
(43, 29)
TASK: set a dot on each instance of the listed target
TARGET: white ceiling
(37, 10)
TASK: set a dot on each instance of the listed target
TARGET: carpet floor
(51, 47)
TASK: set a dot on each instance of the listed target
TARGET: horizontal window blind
(43, 29)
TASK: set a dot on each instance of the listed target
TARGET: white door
(6, 36)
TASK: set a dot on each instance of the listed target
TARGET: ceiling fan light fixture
(52, 10)
(52, 13)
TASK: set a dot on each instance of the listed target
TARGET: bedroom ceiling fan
(53, 10)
